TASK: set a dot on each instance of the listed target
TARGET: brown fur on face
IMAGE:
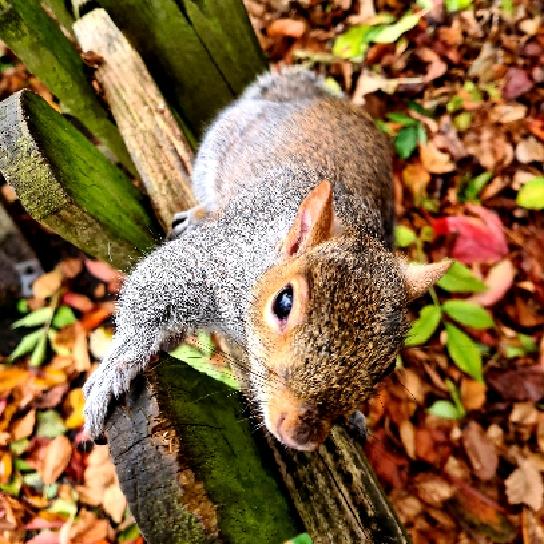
(343, 340)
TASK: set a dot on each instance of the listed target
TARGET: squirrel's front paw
(98, 392)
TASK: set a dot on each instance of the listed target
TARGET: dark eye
(283, 303)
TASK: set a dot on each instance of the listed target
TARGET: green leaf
(383, 126)
(304, 538)
(132, 532)
(460, 279)
(464, 352)
(37, 317)
(463, 121)
(13, 487)
(455, 103)
(456, 397)
(50, 490)
(50, 424)
(22, 306)
(351, 44)
(26, 345)
(38, 355)
(19, 446)
(205, 343)
(415, 106)
(64, 507)
(445, 409)
(22, 465)
(333, 86)
(64, 316)
(404, 236)
(468, 313)
(401, 118)
(426, 234)
(424, 326)
(196, 359)
(528, 343)
(33, 479)
(531, 194)
(391, 33)
(457, 5)
(475, 185)
(406, 140)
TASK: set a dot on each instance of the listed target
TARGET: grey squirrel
(289, 255)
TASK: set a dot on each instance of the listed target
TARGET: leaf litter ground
(457, 432)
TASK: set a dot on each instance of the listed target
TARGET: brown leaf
(436, 67)
(432, 489)
(472, 394)
(47, 284)
(529, 150)
(481, 451)
(22, 428)
(524, 486)
(294, 28)
(532, 528)
(70, 268)
(520, 384)
(87, 529)
(499, 279)
(508, 113)
(416, 178)
(434, 160)
(80, 350)
(78, 302)
(55, 459)
(407, 436)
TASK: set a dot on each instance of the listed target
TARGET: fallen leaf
(12, 377)
(55, 460)
(416, 178)
(47, 284)
(472, 394)
(480, 239)
(78, 302)
(498, 280)
(532, 528)
(529, 150)
(480, 451)
(92, 319)
(407, 436)
(519, 384)
(76, 402)
(103, 271)
(436, 66)
(70, 268)
(434, 160)
(508, 113)
(516, 83)
(23, 427)
(524, 486)
(432, 489)
(294, 28)
(80, 350)
(88, 529)
(45, 537)
(114, 503)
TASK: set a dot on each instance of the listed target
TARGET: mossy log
(194, 82)
(39, 42)
(156, 144)
(66, 184)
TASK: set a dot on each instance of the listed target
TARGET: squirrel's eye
(283, 303)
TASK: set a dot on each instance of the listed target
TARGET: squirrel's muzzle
(293, 422)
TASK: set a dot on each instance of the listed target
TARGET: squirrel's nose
(295, 423)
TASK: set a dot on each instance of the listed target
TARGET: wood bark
(156, 144)
(66, 184)
(38, 41)
(178, 59)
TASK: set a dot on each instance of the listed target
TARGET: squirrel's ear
(419, 277)
(313, 223)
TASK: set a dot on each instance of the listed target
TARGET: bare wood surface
(156, 144)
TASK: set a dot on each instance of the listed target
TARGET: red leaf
(45, 537)
(480, 239)
(103, 271)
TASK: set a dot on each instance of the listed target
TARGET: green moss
(89, 179)
(38, 41)
(225, 30)
(218, 440)
(175, 56)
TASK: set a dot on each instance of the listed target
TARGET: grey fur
(257, 162)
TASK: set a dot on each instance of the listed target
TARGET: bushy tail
(290, 84)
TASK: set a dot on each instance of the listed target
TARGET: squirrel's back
(292, 119)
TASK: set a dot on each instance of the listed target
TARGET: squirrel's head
(327, 322)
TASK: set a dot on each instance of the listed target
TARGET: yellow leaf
(434, 160)
(5, 468)
(47, 284)
(76, 403)
(55, 460)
